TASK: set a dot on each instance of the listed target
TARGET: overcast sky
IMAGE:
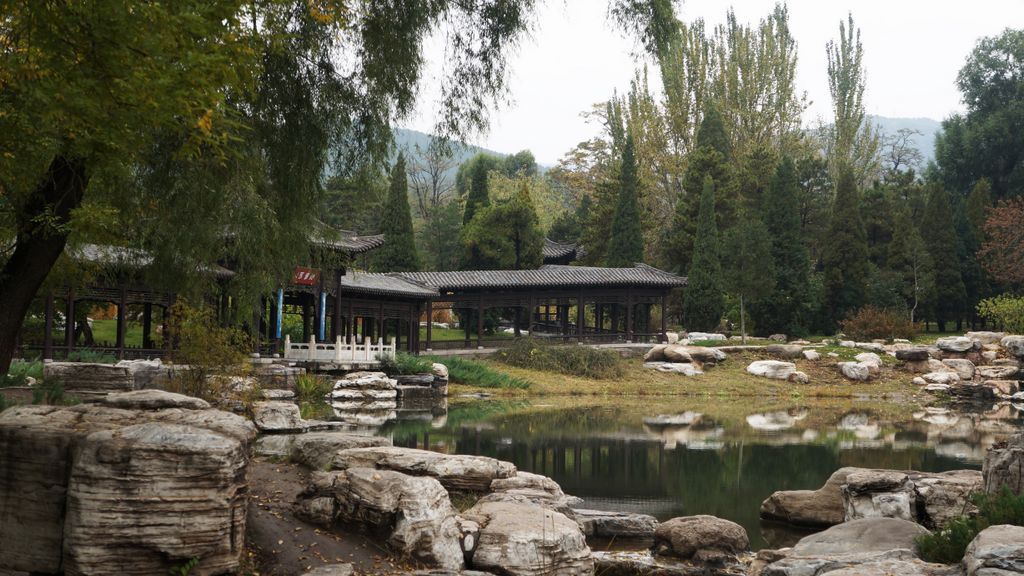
(575, 58)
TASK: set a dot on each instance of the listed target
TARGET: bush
(312, 388)
(91, 356)
(473, 373)
(404, 363)
(52, 395)
(574, 360)
(212, 352)
(947, 546)
(870, 323)
(1005, 310)
(20, 371)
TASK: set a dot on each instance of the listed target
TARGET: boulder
(774, 369)
(414, 514)
(773, 421)
(704, 336)
(986, 337)
(275, 446)
(528, 540)
(702, 537)
(879, 566)
(1004, 466)
(643, 563)
(277, 375)
(871, 347)
(316, 450)
(656, 354)
(414, 379)
(963, 368)
(439, 370)
(86, 379)
(671, 337)
(856, 371)
(273, 394)
(913, 354)
(146, 373)
(526, 487)
(677, 353)
(1003, 387)
(601, 524)
(821, 507)
(799, 377)
(869, 358)
(943, 496)
(947, 378)
(455, 471)
(811, 355)
(1014, 346)
(363, 394)
(879, 494)
(858, 537)
(706, 354)
(679, 368)
(277, 416)
(366, 380)
(152, 400)
(996, 551)
(997, 372)
(957, 344)
(778, 338)
(785, 351)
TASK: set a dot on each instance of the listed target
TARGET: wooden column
(430, 323)
(581, 315)
(147, 325)
(380, 321)
(531, 307)
(48, 328)
(664, 315)
(480, 321)
(69, 322)
(629, 316)
(122, 321)
(350, 322)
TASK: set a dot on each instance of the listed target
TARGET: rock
(778, 338)
(986, 337)
(821, 507)
(799, 378)
(600, 524)
(343, 569)
(1003, 387)
(316, 450)
(933, 388)
(772, 421)
(685, 419)
(832, 355)
(656, 354)
(455, 471)
(847, 344)
(914, 354)
(702, 537)
(774, 369)
(678, 368)
(1004, 466)
(879, 494)
(275, 394)
(677, 353)
(439, 370)
(529, 488)
(1013, 344)
(811, 355)
(706, 354)
(643, 563)
(528, 540)
(704, 336)
(785, 351)
(996, 551)
(963, 368)
(865, 535)
(957, 344)
(275, 446)
(363, 394)
(857, 371)
(277, 376)
(1007, 362)
(85, 379)
(869, 358)
(989, 355)
(364, 380)
(890, 567)
(152, 400)
(942, 496)
(413, 513)
(947, 378)
(414, 379)
(277, 416)
(997, 372)
(145, 373)
(871, 347)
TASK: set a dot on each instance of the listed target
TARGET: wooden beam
(430, 323)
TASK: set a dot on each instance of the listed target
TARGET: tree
(478, 194)
(440, 237)
(782, 308)
(845, 255)
(399, 251)
(851, 142)
(703, 304)
(909, 260)
(1002, 253)
(748, 269)
(353, 202)
(899, 152)
(625, 243)
(939, 233)
(979, 202)
(428, 175)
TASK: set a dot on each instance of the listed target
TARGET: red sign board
(305, 276)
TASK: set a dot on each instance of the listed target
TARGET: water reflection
(674, 459)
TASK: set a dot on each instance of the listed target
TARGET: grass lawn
(105, 332)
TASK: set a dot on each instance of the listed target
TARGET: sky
(575, 57)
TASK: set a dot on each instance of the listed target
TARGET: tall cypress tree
(784, 309)
(939, 232)
(845, 254)
(909, 260)
(626, 244)
(748, 268)
(703, 302)
(399, 251)
(478, 194)
(975, 283)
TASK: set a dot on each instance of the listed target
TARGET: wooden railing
(339, 351)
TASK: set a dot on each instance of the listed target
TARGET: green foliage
(353, 201)
(979, 202)
(478, 374)
(20, 371)
(703, 303)
(92, 356)
(911, 263)
(184, 569)
(748, 270)
(940, 237)
(852, 142)
(1005, 310)
(399, 251)
(478, 197)
(625, 242)
(312, 387)
(440, 238)
(576, 360)
(506, 235)
(871, 323)
(212, 352)
(405, 363)
(52, 394)
(845, 255)
(948, 545)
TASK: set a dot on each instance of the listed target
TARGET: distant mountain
(408, 140)
(928, 128)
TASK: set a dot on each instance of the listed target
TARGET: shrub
(947, 546)
(92, 356)
(1005, 310)
(573, 360)
(213, 354)
(870, 323)
(20, 371)
(3, 403)
(404, 363)
(53, 395)
(312, 388)
(473, 373)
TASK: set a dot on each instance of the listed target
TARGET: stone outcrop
(528, 540)
(821, 507)
(90, 487)
(943, 496)
(1014, 346)
(996, 551)
(278, 416)
(856, 371)
(773, 369)
(785, 351)
(413, 513)
(526, 487)
(986, 337)
(997, 372)
(702, 538)
(643, 563)
(930, 499)
(316, 450)
(456, 472)
(1004, 466)
(86, 379)
(913, 354)
(958, 344)
(963, 368)
(619, 525)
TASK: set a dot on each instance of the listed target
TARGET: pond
(676, 456)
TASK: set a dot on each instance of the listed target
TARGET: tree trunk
(743, 321)
(42, 233)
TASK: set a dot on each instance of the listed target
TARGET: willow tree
(201, 130)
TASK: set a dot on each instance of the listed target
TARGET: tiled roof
(345, 240)
(640, 275)
(125, 257)
(554, 250)
(384, 285)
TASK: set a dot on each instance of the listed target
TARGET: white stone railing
(339, 351)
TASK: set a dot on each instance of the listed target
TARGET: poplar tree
(625, 245)
(398, 254)
(939, 233)
(845, 255)
(703, 303)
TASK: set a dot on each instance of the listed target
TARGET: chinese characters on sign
(305, 276)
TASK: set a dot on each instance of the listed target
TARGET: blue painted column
(322, 320)
(280, 313)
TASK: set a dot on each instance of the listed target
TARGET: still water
(675, 457)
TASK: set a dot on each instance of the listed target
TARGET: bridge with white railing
(339, 351)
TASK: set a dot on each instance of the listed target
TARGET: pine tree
(845, 254)
(703, 302)
(975, 284)
(939, 233)
(979, 201)
(478, 196)
(399, 251)
(784, 309)
(909, 260)
(748, 269)
(625, 244)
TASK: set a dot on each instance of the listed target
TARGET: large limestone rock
(785, 351)
(413, 513)
(996, 551)
(528, 540)
(643, 563)
(278, 416)
(986, 337)
(676, 353)
(856, 371)
(943, 496)
(879, 494)
(619, 525)
(913, 354)
(86, 379)
(456, 472)
(90, 487)
(526, 487)
(706, 354)
(957, 344)
(678, 368)
(821, 507)
(997, 372)
(153, 400)
(702, 537)
(1004, 466)
(963, 368)
(316, 450)
(773, 369)
(1014, 346)
(656, 354)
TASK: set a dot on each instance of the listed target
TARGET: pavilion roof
(389, 284)
(640, 275)
(345, 240)
(558, 250)
(129, 258)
